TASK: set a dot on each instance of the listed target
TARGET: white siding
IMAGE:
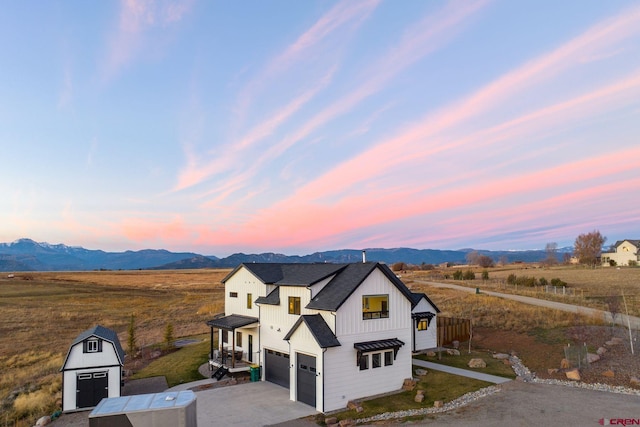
(69, 384)
(243, 282)
(78, 360)
(275, 320)
(343, 380)
(317, 287)
(424, 340)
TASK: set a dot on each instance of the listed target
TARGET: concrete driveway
(249, 405)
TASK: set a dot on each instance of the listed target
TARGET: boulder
(421, 372)
(431, 354)
(608, 373)
(438, 404)
(345, 423)
(331, 420)
(600, 351)
(506, 362)
(552, 371)
(43, 421)
(453, 352)
(591, 357)
(501, 356)
(635, 381)
(477, 363)
(409, 384)
(355, 406)
(573, 374)
(419, 396)
(455, 344)
(564, 364)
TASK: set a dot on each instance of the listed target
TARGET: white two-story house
(330, 333)
(624, 253)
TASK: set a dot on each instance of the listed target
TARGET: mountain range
(29, 255)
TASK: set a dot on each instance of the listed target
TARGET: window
(233, 294)
(248, 300)
(388, 358)
(238, 339)
(364, 362)
(423, 324)
(294, 305)
(375, 360)
(375, 306)
(92, 346)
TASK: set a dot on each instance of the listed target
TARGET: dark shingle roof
(416, 297)
(103, 333)
(336, 292)
(272, 299)
(232, 321)
(318, 328)
(300, 274)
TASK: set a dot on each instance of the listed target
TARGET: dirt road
(621, 319)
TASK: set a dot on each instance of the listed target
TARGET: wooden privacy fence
(452, 329)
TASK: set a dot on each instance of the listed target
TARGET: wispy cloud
(135, 19)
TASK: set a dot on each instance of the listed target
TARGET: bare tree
(613, 306)
(472, 257)
(552, 254)
(587, 247)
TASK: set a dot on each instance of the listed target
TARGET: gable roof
(336, 292)
(292, 274)
(416, 297)
(272, 299)
(318, 328)
(101, 332)
(634, 242)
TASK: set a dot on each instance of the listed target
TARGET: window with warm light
(294, 305)
(375, 306)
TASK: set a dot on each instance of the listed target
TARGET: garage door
(91, 387)
(277, 367)
(306, 379)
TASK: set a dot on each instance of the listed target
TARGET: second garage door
(276, 367)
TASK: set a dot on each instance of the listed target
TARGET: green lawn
(436, 385)
(181, 366)
(494, 366)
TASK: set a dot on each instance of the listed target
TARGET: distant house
(92, 369)
(330, 333)
(625, 253)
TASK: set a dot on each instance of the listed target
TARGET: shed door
(306, 379)
(276, 367)
(91, 388)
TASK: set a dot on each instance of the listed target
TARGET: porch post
(233, 348)
(211, 348)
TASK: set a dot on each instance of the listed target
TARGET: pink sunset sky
(301, 126)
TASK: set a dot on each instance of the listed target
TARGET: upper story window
(375, 306)
(249, 301)
(92, 346)
(233, 294)
(294, 305)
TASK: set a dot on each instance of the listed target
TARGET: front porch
(230, 356)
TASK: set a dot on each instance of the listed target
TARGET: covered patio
(232, 358)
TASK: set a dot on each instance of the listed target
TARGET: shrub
(485, 275)
(511, 279)
(558, 282)
(633, 263)
(469, 275)
(543, 282)
(612, 262)
(457, 275)
(526, 281)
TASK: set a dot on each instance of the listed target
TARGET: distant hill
(28, 255)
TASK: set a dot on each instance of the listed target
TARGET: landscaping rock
(453, 352)
(552, 371)
(608, 373)
(573, 374)
(421, 372)
(635, 381)
(345, 423)
(506, 362)
(409, 384)
(592, 358)
(419, 396)
(564, 364)
(600, 351)
(43, 421)
(456, 344)
(331, 420)
(501, 356)
(438, 404)
(354, 406)
(431, 354)
(477, 363)
(617, 340)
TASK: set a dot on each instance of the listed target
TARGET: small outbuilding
(92, 369)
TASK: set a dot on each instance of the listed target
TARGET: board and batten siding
(69, 384)
(243, 282)
(302, 341)
(343, 380)
(425, 339)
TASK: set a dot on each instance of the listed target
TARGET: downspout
(324, 350)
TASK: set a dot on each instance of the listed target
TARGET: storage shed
(92, 369)
(167, 409)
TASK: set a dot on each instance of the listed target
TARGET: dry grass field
(41, 314)
(587, 287)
